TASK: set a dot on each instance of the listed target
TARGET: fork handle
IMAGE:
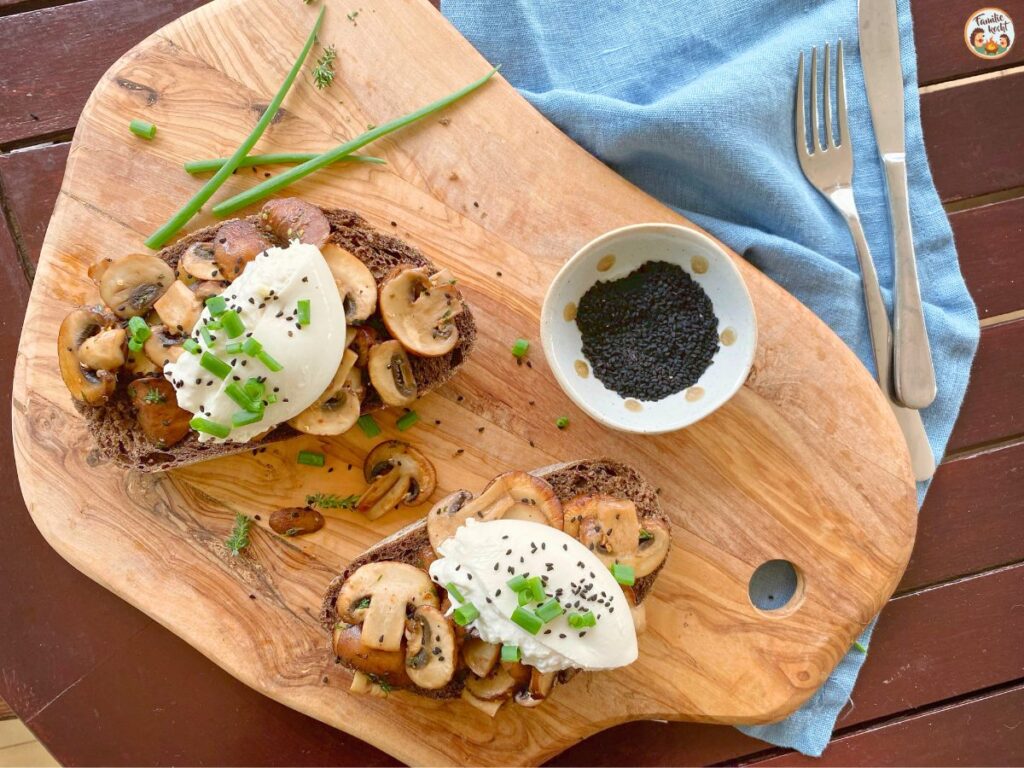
(913, 372)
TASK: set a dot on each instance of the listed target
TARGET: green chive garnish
(407, 420)
(520, 347)
(235, 391)
(302, 311)
(562, 422)
(138, 329)
(527, 619)
(368, 425)
(254, 388)
(549, 610)
(310, 458)
(271, 398)
(273, 158)
(624, 574)
(454, 592)
(232, 323)
(217, 305)
(205, 333)
(272, 365)
(859, 646)
(134, 344)
(464, 614)
(234, 348)
(582, 620)
(252, 347)
(536, 588)
(510, 653)
(191, 345)
(244, 418)
(517, 583)
(199, 424)
(525, 597)
(142, 129)
(213, 325)
(215, 365)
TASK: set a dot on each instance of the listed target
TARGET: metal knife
(913, 373)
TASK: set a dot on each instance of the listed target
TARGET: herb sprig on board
(331, 501)
(239, 538)
(323, 72)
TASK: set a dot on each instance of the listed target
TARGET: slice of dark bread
(115, 427)
(569, 480)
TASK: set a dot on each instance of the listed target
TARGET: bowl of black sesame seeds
(649, 328)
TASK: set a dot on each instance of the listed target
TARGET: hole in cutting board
(775, 585)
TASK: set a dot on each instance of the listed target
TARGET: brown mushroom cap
(156, 405)
(398, 474)
(337, 409)
(162, 347)
(356, 284)
(207, 288)
(104, 351)
(131, 285)
(179, 308)
(293, 219)
(85, 385)
(199, 262)
(236, 244)
(430, 653)
(419, 310)
(391, 374)
(377, 597)
(513, 495)
(386, 666)
(608, 527)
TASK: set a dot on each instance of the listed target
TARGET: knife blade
(913, 372)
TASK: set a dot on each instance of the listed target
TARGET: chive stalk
(517, 583)
(245, 418)
(407, 420)
(369, 426)
(292, 175)
(520, 347)
(215, 365)
(302, 312)
(276, 158)
(199, 424)
(624, 574)
(142, 129)
(232, 324)
(464, 614)
(235, 391)
(159, 238)
(217, 305)
(527, 619)
(510, 653)
(272, 365)
(454, 592)
(311, 458)
(549, 610)
(191, 345)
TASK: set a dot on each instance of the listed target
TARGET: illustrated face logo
(989, 33)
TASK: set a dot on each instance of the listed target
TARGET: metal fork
(829, 168)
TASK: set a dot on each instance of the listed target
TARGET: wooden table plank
(939, 38)
(988, 241)
(31, 179)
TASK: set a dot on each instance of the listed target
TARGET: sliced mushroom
(430, 652)
(419, 310)
(178, 308)
(518, 671)
(162, 347)
(337, 409)
(398, 474)
(296, 521)
(377, 597)
(609, 528)
(498, 685)
(104, 351)
(354, 384)
(513, 495)
(355, 283)
(363, 339)
(489, 708)
(156, 405)
(480, 656)
(539, 688)
(131, 284)
(138, 364)
(208, 288)
(293, 219)
(385, 666)
(85, 384)
(391, 374)
(236, 244)
(97, 268)
(199, 262)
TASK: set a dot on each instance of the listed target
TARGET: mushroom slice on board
(131, 284)
(386, 666)
(608, 527)
(337, 409)
(398, 474)
(419, 310)
(538, 689)
(355, 283)
(293, 219)
(236, 244)
(498, 685)
(156, 406)
(430, 651)
(480, 656)
(85, 384)
(179, 308)
(199, 262)
(391, 374)
(162, 347)
(104, 351)
(377, 597)
(511, 496)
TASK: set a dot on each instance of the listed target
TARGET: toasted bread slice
(411, 544)
(116, 429)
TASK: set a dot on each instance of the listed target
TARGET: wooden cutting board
(806, 463)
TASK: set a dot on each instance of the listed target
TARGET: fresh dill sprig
(331, 501)
(239, 538)
(323, 72)
(155, 396)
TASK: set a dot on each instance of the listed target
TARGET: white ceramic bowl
(614, 255)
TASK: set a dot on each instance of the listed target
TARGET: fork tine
(815, 141)
(841, 95)
(829, 138)
(801, 119)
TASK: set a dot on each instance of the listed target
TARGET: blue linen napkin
(693, 102)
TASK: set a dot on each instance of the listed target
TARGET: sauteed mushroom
(199, 262)
(162, 347)
(131, 285)
(363, 339)
(156, 404)
(97, 268)
(337, 409)
(85, 384)
(539, 688)
(179, 308)
(398, 474)
(430, 651)
(104, 351)
(207, 288)
(391, 374)
(480, 656)
(293, 219)
(377, 596)
(236, 244)
(386, 666)
(609, 528)
(419, 310)
(355, 283)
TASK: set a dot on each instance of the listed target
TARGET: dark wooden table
(100, 683)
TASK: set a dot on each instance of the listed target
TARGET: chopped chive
(138, 329)
(582, 620)
(407, 420)
(549, 610)
(245, 418)
(205, 333)
(536, 588)
(159, 238)
(454, 592)
(142, 129)
(527, 619)
(645, 535)
(252, 347)
(562, 422)
(464, 614)
(213, 325)
(134, 344)
(254, 388)
(368, 425)
(859, 646)
(271, 398)
(232, 324)
(217, 305)
(510, 653)
(517, 583)
(525, 597)
(215, 365)
(520, 347)
(234, 348)
(199, 424)
(275, 158)
(311, 458)
(624, 574)
(191, 345)
(302, 311)
(235, 391)
(272, 365)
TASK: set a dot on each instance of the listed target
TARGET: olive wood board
(805, 463)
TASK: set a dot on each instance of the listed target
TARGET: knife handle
(913, 373)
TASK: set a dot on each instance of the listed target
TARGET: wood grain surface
(808, 467)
